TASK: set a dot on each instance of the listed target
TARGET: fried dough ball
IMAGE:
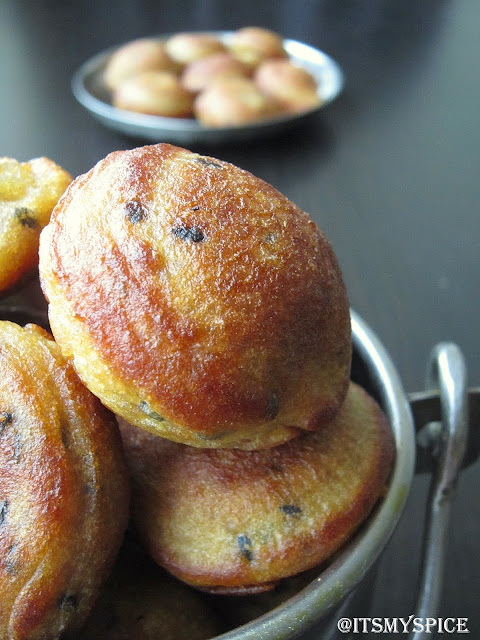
(185, 48)
(63, 489)
(199, 74)
(140, 601)
(252, 45)
(291, 86)
(158, 93)
(28, 193)
(233, 101)
(230, 521)
(197, 301)
(140, 55)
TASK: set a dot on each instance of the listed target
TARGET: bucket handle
(442, 439)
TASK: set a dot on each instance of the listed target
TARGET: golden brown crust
(253, 45)
(157, 93)
(63, 489)
(231, 521)
(233, 101)
(199, 74)
(28, 193)
(291, 86)
(196, 300)
(187, 47)
(137, 56)
(141, 601)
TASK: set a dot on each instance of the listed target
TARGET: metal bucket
(440, 416)
(343, 588)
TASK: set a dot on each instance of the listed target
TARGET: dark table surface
(390, 172)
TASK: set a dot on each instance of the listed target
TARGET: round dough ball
(233, 101)
(135, 57)
(28, 193)
(196, 300)
(157, 93)
(142, 601)
(200, 73)
(252, 45)
(239, 521)
(291, 86)
(185, 48)
(63, 489)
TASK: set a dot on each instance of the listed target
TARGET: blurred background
(389, 171)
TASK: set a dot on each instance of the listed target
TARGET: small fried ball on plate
(252, 45)
(197, 301)
(141, 601)
(157, 93)
(233, 101)
(199, 74)
(144, 54)
(28, 193)
(64, 491)
(290, 85)
(230, 521)
(187, 47)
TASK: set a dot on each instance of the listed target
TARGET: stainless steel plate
(89, 89)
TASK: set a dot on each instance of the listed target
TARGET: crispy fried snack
(289, 85)
(63, 489)
(137, 56)
(233, 101)
(141, 601)
(28, 193)
(253, 45)
(197, 301)
(157, 93)
(187, 47)
(237, 522)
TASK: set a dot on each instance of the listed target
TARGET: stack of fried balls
(196, 383)
(243, 78)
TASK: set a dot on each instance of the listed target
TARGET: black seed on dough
(65, 441)
(144, 407)
(195, 208)
(11, 566)
(4, 506)
(135, 211)
(272, 407)
(6, 419)
(291, 509)
(209, 163)
(188, 233)
(68, 602)
(245, 545)
(26, 217)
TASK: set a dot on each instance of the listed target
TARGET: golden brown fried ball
(199, 74)
(233, 101)
(252, 45)
(186, 47)
(196, 300)
(140, 601)
(137, 56)
(28, 193)
(289, 85)
(63, 489)
(158, 93)
(231, 521)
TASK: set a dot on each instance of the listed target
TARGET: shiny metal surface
(89, 89)
(448, 372)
